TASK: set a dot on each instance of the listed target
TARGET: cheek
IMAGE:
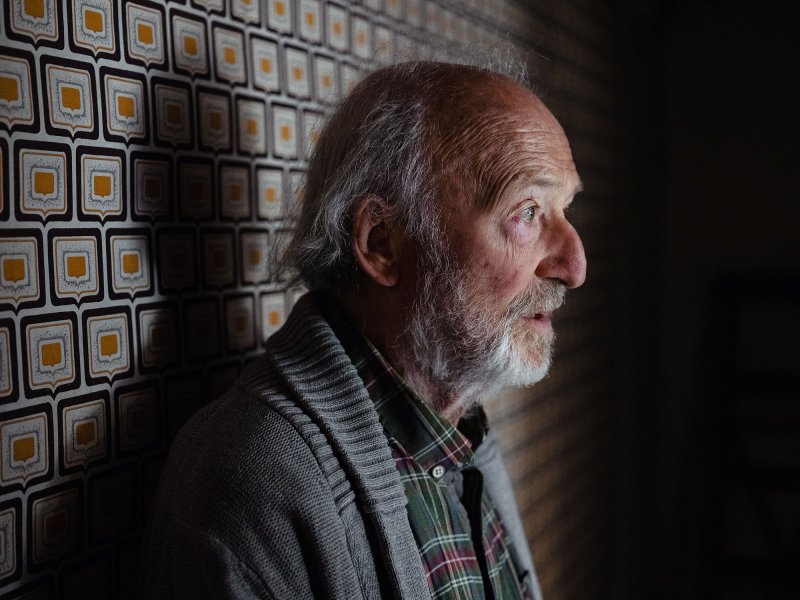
(503, 279)
(518, 231)
(505, 266)
(507, 284)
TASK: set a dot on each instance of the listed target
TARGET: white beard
(462, 354)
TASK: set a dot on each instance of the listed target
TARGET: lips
(541, 319)
(536, 305)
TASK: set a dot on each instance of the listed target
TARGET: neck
(388, 331)
(447, 403)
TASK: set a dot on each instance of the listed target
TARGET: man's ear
(374, 242)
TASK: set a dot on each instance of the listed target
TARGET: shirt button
(437, 471)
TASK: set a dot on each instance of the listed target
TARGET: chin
(529, 365)
(530, 375)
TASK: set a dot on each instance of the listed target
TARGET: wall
(147, 150)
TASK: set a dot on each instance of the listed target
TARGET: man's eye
(528, 215)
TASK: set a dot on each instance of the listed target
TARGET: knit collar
(306, 376)
(407, 419)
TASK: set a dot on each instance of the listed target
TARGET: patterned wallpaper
(147, 150)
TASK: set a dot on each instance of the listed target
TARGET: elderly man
(352, 460)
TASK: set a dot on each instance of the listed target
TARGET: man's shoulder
(243, 493)
(238, 443)
(267, 428)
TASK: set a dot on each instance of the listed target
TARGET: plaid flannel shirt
(465, 550)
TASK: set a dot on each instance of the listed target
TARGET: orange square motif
(44, 183)
(50, 354)
(145, 33)
(93, 20)
(101, 185)
(274, 318)
(33, 8)
(23, 449)
(126, 106)
(76, 266)
(71, 97)
(190, 45)
(130, 263)
(109, 344)
(9, 89)
(14, 269)
(85, 433)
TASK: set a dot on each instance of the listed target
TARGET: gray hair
(376, 143)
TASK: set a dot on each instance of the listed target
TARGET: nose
(565, 259)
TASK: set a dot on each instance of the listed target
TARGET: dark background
(710, 302)
(660, 459)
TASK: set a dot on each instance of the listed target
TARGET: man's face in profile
(508, 254)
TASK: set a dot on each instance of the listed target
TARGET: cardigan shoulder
(244, 494)
(291, 472)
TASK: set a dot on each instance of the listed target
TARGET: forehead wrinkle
(475, 135)
(479, 161)
(479, 126)
(502, 176)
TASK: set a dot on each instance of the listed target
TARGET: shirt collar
(410, 421)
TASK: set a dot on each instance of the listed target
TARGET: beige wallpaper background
(147, 153)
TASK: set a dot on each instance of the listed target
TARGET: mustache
(545, 297)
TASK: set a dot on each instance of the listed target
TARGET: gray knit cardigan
(285, 487)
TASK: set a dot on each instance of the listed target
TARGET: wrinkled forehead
(492, 133)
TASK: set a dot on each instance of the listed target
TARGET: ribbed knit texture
(285, 487)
